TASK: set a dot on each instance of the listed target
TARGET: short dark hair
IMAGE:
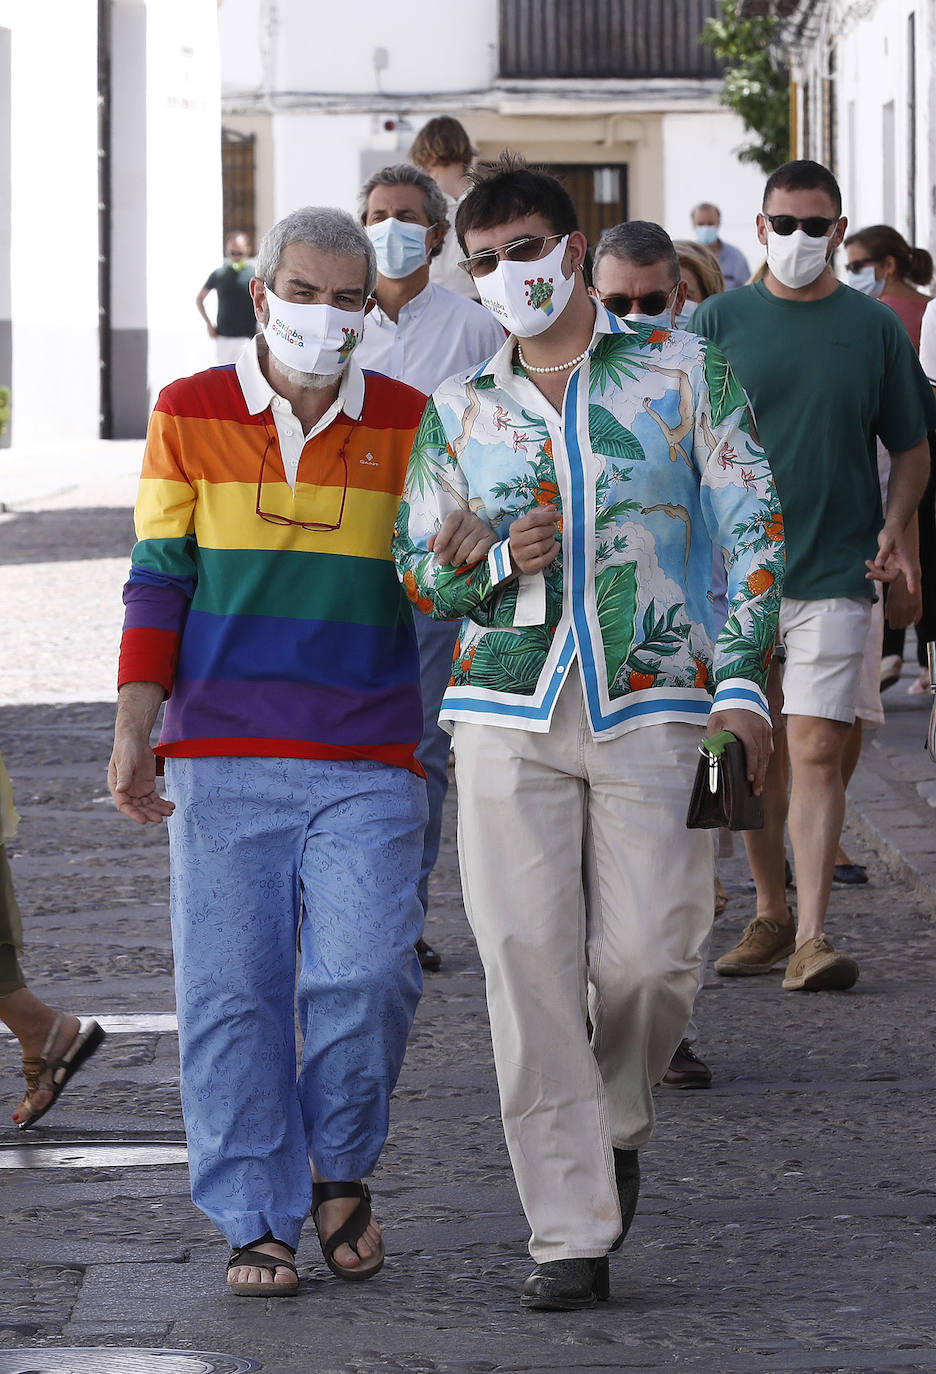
(510, 189)
(804, 175)
(639, 241)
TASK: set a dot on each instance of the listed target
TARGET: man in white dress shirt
(421, 334)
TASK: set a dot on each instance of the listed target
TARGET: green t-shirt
(824, 378)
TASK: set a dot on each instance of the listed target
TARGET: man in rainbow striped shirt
(263, 602)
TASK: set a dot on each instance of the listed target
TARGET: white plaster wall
(183, 160)
(293, 46)
(700, 163)
(320, 158)
(53, 221)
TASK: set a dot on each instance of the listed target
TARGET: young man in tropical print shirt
(609, 457)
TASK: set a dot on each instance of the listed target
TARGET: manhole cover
(105, 1359)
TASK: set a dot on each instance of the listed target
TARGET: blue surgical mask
(706, 234)
(662, 321)
(865, 281)
(400, 247)
(688, 310)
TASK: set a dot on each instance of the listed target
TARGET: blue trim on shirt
(520, 709)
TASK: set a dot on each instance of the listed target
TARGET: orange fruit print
(773, 528)
(546, 493)
(641, 681)
(701, 677)
(760, 581)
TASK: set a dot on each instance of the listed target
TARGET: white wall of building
(183, 196)
(283, 47)
(700, 163)
(877, 71)
(53, 222)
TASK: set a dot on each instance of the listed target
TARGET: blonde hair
(703, 263)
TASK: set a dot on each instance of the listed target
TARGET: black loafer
(627, 1178)
(429, 959)
(566, 1285)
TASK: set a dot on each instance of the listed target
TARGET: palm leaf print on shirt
(425, 466)
(725, 391)
(502, 661)
(609, 437)
(616, 602)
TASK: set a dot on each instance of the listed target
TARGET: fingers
(534, 541)
(463, 538)
(135, 796)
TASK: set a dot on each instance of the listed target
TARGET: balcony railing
(605, 39)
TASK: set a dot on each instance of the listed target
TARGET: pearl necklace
(560, 367)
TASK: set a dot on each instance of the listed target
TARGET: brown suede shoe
(815, 967)
(763, 944)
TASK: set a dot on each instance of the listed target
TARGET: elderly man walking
(581, 686)
(420, 333)
(263, 601)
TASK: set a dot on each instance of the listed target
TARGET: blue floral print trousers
(265, 853)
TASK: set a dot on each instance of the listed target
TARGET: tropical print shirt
(652, 463)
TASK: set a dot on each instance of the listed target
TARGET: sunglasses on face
(527, 249)
(653, 303)
(815, 226)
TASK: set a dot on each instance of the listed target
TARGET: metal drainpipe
(105, 410)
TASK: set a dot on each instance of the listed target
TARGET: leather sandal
(57, 1072)
(350, 1232)
(246, 1257)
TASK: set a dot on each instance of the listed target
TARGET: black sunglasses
(814, 225)
(654, 303)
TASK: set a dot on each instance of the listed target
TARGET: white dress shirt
(259, 395)
(437, 335)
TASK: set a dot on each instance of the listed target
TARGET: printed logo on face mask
(349, 345)
(285, 332)
(540, 294)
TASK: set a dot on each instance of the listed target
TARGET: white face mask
(528, 297)
(706, 234)
(795, 259)
(311, 338)
(400, 247)
(866, 282)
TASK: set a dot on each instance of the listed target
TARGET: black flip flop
(246, 1257)
(85, 1043)
(350, 1232)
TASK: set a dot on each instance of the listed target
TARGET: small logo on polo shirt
(370, 461)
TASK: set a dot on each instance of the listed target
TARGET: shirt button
(289, 433)
(560, 669)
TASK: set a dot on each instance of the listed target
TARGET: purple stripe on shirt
(289, 710)
(152, 609)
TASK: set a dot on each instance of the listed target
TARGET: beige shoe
(763, 944)
(815, 967)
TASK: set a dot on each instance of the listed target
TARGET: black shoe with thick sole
(429, 959)
(566, 1285)
(627, 1178)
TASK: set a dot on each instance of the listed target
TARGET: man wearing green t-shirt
(827, 370)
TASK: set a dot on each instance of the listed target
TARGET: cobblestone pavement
(787, 1217)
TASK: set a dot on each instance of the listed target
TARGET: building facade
(864, 103)
(618, 95)
(110, 208)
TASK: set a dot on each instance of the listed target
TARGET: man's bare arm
(909, 475)
(200, 307)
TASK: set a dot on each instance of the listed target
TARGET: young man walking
(827, 370)
(581, 686)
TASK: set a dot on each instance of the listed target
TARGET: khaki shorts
(825, 643)
(869, 707)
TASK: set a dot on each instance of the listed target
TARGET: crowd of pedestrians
(464, 484)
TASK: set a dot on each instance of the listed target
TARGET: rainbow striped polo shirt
(271, 639)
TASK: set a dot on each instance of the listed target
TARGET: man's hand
(534, 540)
(462, 540)
(755, 733)
(131, 773)
(212, 331)
(894, 557)
(903, 609)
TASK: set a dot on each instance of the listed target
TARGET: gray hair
(333, 231)
(405, 174)
(639, 241)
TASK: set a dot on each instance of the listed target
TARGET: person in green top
(828, 371)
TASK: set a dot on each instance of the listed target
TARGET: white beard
(309, 381)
